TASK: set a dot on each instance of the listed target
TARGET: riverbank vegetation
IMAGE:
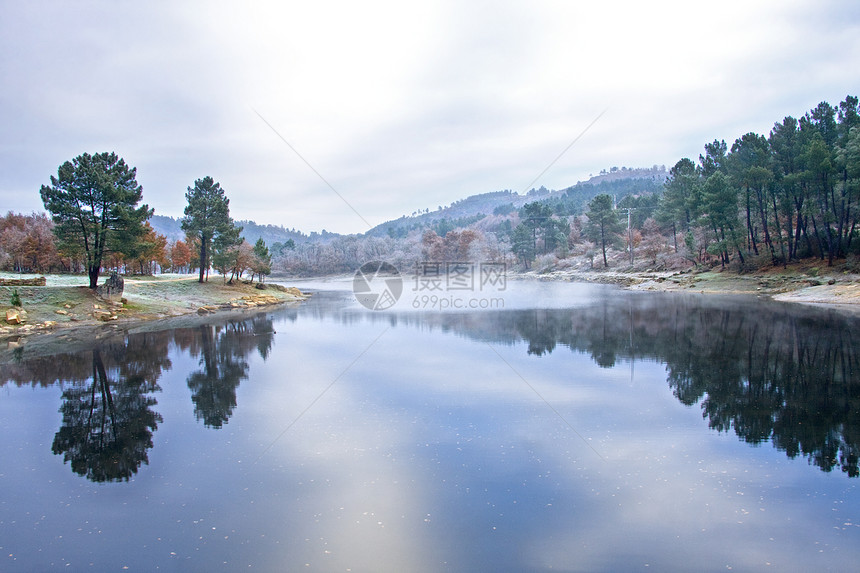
(96, 224)
(789, 197)
(793, 195)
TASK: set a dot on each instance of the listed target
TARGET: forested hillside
(762, 200)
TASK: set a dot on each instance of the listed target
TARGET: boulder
(113, 286)
(13, 317)
(103, 315)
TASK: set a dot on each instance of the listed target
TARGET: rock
(113, 286)
(40, 281)
(259, 300)
(61, 311)
(103, 315)
(13, 316)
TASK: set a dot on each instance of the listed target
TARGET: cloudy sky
(340, 115)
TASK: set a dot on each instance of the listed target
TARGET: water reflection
(223, 352)
(108, 416)
(768, 372)
(109, 390)
(108, 422)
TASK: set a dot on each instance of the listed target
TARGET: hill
(271, 234)
(571, 200)
(464, 212)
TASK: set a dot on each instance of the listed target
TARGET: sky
(343, 115)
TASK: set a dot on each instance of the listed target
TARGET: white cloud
(399, 106)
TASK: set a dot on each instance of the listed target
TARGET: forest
(761, 201)
(764, 200)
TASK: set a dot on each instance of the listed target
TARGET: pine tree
(207, 218)
(263, 263)
(603, 223)
(93, 203)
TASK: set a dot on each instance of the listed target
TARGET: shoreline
(834, 288)
(800, 283)
(68, 312)
(72, 312)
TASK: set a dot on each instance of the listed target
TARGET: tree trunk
(779, 232)
(750, 228)
(203, 264)
(93, 272)
(603, 246)
(675, 236)
(817, 237)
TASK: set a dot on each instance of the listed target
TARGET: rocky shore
(52, 308)
(807, 284)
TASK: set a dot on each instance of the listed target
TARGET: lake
(565, 427)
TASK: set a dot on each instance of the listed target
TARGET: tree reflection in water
(223, 354)
(787, 374)
(109, 391)
(767, 371)
(108, 420)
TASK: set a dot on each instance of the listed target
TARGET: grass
(146, 298)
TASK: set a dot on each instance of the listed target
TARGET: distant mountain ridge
(271, 234)
(618, 182)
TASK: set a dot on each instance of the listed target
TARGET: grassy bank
(66, 302)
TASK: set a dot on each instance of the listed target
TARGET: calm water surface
(582, 428)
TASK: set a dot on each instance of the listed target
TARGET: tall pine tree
(207, 218)
(93, 202)
(603, 223)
